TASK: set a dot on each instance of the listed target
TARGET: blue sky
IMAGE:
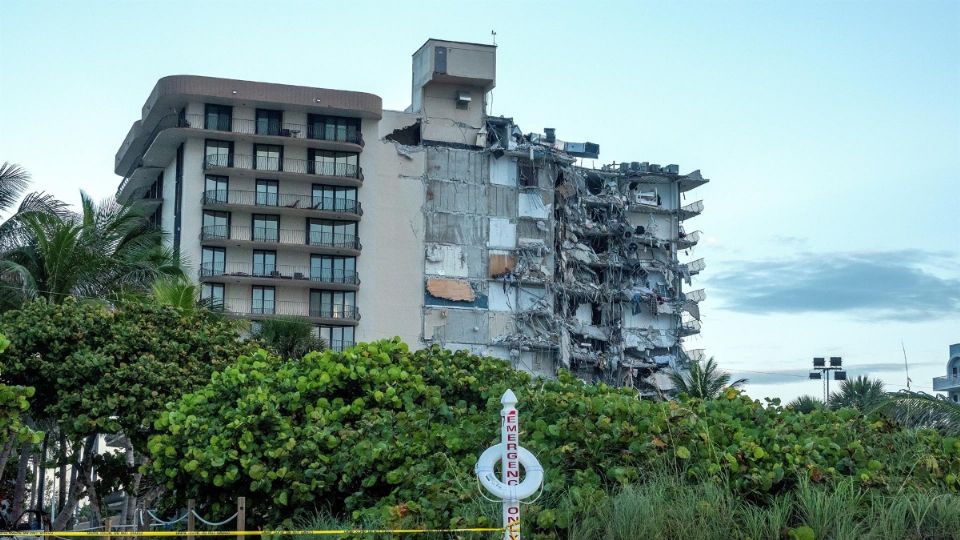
(830, 130)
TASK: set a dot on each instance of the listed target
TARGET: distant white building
(950, 383)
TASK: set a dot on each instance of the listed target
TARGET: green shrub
(380, 433)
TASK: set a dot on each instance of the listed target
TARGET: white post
(510, 462)
(509, 488)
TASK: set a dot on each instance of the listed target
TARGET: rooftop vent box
(584, 150)
(455, 62)
(672, 169)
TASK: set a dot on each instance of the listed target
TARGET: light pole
(822, 371)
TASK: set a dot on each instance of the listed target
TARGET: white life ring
(533, 477)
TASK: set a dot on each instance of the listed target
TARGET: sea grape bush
(380, 432)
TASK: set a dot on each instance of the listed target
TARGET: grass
(667, 508)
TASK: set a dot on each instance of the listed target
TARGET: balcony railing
(274, 129)
(339, 345)
(691, 210)
(254, 307)
(280, 236)
(946, 382)
(335, 311)
(695, 267)
(279, 271)
(291, 165)
(280, 200)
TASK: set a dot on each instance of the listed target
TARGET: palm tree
(289, 337)
(178, 293)
(14, 181)
(805, 404)
(860, 393)
(105, 249)
(921, 410)
(703, 380)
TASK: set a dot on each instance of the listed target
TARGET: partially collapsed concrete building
(475, 235)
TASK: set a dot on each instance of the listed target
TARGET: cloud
(887, 285)
(787, 376)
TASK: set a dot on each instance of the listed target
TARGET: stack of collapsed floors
(581, 265)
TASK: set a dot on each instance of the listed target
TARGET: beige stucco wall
(391, 265)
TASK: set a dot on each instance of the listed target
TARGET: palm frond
(14, 180)
(922, 410)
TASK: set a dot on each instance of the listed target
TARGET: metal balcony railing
(280, 200)
(690, 327)
(335, 311)
(695, 267)
(691, 210)
(280, 236)
(270, 128)
(698, 295)
(339, 345)
(254, 306)
(279, 271)
(275, 164)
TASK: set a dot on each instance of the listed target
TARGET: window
(328, 269)
(333, 304)
(213, 261)
(268, 157)
(338, 338)
(327, 163)
(215, 189)
(218, 154)
(265, 263)
(211, 294)
(263, 301)
(325, 232)
(156, 189)
(333, 128)
(266, 228)
(267, 192)
(218, 117)
(268, 122)
(215, 224)
(334, 199)
(527, 174)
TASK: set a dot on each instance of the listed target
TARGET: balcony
(691, 210)
(314, 242)
(280, 275)
(343, 174)
(694, 267)
(288, 203)
(321, 313)
(946, 383)
(689, 328)
(248, 126)
(688, 240)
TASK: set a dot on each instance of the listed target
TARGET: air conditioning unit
(672, 169)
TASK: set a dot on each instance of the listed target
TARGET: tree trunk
(6, 452)
(81, 475)
(42, 468)
(96, 512)
(130, 491)
(62, 494)
(74, 475)
(19, 489)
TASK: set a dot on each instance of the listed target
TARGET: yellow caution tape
(124, 534)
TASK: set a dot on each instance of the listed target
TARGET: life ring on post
(533, 476)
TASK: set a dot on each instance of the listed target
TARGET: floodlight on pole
(821, 371)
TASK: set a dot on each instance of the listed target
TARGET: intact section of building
(466, 231)
(950, 383)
